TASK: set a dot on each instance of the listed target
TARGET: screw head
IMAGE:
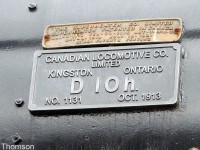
(32, 6)
(19, 102)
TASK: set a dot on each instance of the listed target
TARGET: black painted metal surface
(157, 128)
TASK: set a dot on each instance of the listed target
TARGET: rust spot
(47, 37)
(177, 30)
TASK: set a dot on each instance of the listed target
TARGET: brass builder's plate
(112, 32)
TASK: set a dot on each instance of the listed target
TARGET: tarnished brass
(112, 32)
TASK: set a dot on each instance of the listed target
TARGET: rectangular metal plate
(105, 77)
(113, 32)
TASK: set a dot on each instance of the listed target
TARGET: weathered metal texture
(154, 128)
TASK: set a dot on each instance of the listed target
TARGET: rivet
(19, 102)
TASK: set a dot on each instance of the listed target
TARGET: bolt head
(32, 6)
(16, 138)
